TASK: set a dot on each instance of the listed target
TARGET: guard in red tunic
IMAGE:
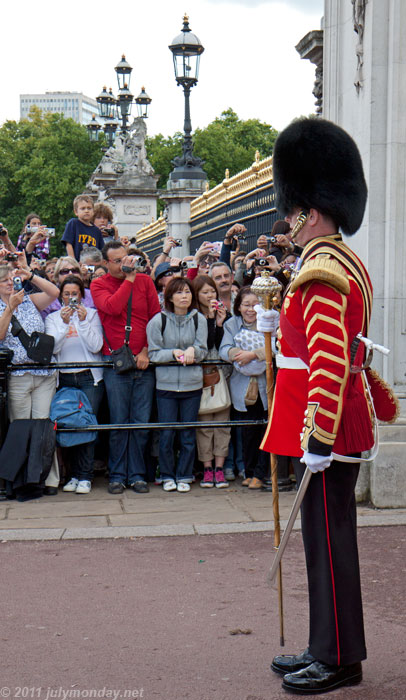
(321, 410)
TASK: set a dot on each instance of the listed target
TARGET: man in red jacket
(129, 395)
(320, 411)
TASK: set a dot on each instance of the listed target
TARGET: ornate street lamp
(103, 101)
(143, 101)
(123, 70)
(125, 100)
(93, 129)
(187, 49)
(110, 128)
(111, 107)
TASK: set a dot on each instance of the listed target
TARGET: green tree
(227, 142)
(161, 150)
(45, 162)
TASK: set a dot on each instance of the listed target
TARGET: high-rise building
(71, 104)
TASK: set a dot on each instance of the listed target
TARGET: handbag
(38, 346)
(123, 358)
(215, 397)
(211, 376)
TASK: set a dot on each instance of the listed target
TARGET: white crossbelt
(283, 362)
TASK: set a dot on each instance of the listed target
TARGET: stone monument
(126, 181)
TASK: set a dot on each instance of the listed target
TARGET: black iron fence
(6, 366)
(255, 209)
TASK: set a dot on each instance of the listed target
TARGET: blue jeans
(181, 407)
(82, 456)
(130, 398)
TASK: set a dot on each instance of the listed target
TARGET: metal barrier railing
(6, 366)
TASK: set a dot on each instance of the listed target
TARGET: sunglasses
(67, 271)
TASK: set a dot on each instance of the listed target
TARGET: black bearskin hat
(316, 164)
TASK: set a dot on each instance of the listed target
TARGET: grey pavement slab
(202, 512)
(181, 517)
(45, 507)
(47, 523)
(128, 532)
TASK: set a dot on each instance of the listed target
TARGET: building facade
(73, 105)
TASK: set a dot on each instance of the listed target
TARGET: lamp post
(143, 101)
(186, 49)
(120, 106)
(93, 129)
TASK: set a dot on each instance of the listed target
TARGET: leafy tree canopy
(227, 142)
(45, 162)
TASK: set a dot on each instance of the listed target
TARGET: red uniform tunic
(328, 304)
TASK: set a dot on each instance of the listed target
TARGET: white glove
(316, 463)
(267, 321)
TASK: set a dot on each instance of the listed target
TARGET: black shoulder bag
(123, 358)
(38, 346)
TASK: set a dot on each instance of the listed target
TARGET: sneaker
(169, 485)
(208, 481)
(255, 483)
(246, 481)
(229, 474)
(115, 487)
(71, 485)
(84, 487)
(241, 474)
(182, 487)
(140, 487)
(221, 483)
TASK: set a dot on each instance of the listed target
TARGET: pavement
(99, 515)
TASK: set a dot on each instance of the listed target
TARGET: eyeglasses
(70, 270)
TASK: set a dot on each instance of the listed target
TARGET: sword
(292, 517)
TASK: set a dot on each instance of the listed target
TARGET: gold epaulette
(324, 269)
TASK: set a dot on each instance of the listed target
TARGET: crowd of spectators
(172, 313)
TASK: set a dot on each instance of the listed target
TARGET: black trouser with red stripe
(330, 540)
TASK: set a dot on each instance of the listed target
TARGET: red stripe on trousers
(331, 569)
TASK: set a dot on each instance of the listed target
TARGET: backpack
(70, 408)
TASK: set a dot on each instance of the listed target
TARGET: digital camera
(218, 304)
(261, 262)
(138, 264)
(178, 241)
(73, 302)
(271, 240)
(11, 257)
(90, 268)
(17, 284)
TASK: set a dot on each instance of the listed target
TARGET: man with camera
(126, 300)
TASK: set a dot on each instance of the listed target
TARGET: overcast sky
(249, 63)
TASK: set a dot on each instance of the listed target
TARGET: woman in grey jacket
(178, 333)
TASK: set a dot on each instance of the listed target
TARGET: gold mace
(266, 289)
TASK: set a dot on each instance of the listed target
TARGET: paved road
(163, 617)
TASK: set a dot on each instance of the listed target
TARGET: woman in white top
(78, 336)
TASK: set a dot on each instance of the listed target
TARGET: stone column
(365, 92)
(178, 196)
(311, 47)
